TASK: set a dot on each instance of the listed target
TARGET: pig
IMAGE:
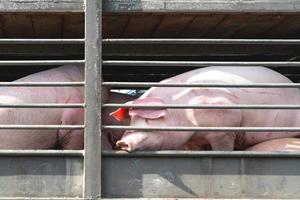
(43, 139)
(225, 141)
(282, 144)
(50, 139)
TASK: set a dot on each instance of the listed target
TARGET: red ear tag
(120, 114)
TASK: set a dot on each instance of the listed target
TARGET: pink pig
(50, 139)
(281, 144)
(167, 140)
(43, 139)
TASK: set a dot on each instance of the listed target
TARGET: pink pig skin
(50, 139)
(282, 144)
(167, 140)
(43, 139)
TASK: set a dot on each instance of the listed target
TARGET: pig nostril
(123, 146)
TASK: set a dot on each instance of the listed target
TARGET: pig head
(134, 140)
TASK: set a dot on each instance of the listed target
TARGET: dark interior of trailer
(151, 25)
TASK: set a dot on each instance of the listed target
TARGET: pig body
(282, 144)
(43, 139)
(133, 140)
(51, 139)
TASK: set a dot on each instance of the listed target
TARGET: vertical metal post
(93, 73)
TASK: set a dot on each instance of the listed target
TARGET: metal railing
(93, 73)
(41, 41)
(212, 85)
(92, 104)
(39, 62)
(154, 63)
(193, 41)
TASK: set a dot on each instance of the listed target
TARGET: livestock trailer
(131, 44)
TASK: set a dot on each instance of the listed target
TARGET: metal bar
(42, 127)
(46, 198)
(154, 84)
(41, 84)
(202, 6)
(41, 41)
(153, 6)
(93, 77)
(180, 128)
(30, 6)
(204, 106)
(223, 154)
(48, 153)
(43, 105)
(67, 198)
(39, 62)
(201, 41)
(192, 199)
(196, 63)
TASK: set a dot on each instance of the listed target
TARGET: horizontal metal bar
(201, 41)
(154, 84)
(39, 62)
(204, 106)
(47, 198)
(43, 105)
(224, 154)
(40, 6)
(67, 198)
(42, 127)
(202, 6)
(54, 153)
(191, 199)
(180, 128)
(197, 63)
(42, 41)
(42, 84)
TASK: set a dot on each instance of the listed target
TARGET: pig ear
(121, 113)
(148, 113)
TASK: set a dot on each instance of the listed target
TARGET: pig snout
(132, 140)
(127, 143)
